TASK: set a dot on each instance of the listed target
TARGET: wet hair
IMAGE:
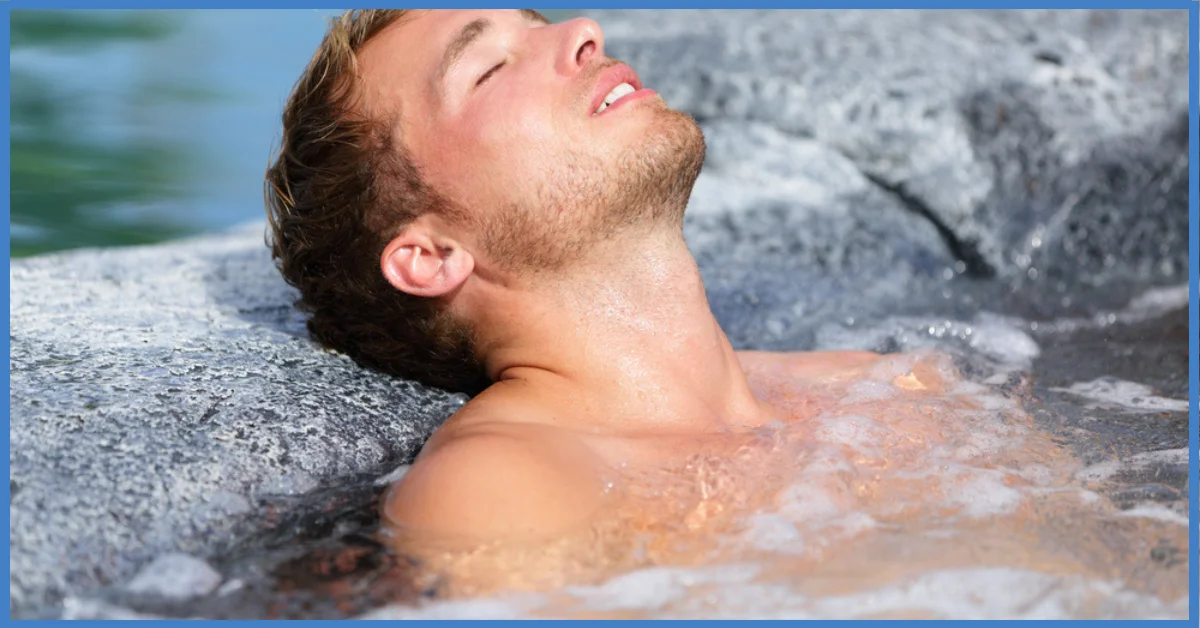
(340, 188)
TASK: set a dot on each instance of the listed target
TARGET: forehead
(399, 64)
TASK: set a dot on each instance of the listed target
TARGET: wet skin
(480, 478)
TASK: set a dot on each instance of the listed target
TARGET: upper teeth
(617, 92)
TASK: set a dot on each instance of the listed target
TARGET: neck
(626, 335)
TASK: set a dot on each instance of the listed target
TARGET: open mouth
(618, 92)
(617, 85)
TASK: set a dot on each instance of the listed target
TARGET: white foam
(1038, 474)
(1003, 338)
(773, 533)
(983, 494)
(392, 477)
(800, 504)
(991, 593)
(505, 607)
(1113, 392)
(737, 592)
(1102, 471)
(1161, 456)
(175, 576)
(1150, 304)
(1158, 301)
(84, 608)
(658, 587)
(868, 390)
(856, 431)
(1152, 510)
(232, 586)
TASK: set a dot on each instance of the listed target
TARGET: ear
(422, 262)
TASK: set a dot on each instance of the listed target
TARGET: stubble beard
(585, 202)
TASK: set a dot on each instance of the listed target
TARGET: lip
(612, 77)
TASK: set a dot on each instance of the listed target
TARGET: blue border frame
(648, 4)
(1193, 144)
(5, 135)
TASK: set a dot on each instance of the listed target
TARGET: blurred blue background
(133, 127)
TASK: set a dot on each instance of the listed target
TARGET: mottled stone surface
(883, 179)
(159, 393)
(1047, 140)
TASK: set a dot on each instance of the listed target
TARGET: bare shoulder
(495, 480)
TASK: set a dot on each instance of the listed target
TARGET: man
(486, 202)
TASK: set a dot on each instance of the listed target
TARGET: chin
(660, 175)
(587, 198)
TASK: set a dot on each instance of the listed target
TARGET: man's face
(499, 111)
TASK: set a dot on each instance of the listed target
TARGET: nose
(582, 41)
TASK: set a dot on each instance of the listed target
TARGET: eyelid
(487, 75)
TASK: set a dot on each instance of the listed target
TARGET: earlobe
(417, 264)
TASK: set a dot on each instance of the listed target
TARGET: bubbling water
(901, 490)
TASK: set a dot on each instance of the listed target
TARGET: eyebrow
(465, 37)
(468, 34)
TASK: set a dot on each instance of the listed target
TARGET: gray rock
(159, 393)
(1053, 141)
(862, 165)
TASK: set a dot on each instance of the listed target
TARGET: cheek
(455, 159)
(498, 146)
(510, 120)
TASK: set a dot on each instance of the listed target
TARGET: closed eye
(487, 75)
